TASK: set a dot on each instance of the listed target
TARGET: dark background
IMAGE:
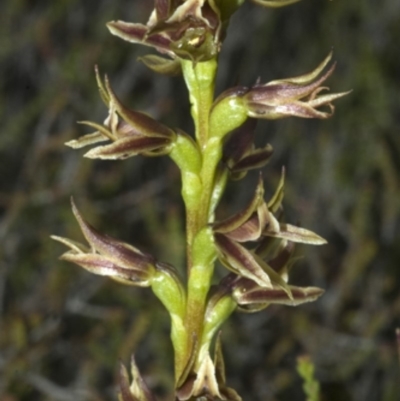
(62, 330)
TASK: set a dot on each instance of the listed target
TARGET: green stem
(202, 189)
(200, 81)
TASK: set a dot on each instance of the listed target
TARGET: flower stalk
(255, 244)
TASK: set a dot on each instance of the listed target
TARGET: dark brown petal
(277, 295)
(253, 160)
(281, 260)
(241, 217)
(177, 29)
(252, 229)
(125, 129)
(241, 260)
(104, 266)
(228, 282)
(132, 32)
(210, 13)
(291, 109)
(162, 8)
(127, 255)
(296, 234)
(274, 94)
(136, 33)
(139, 121)
(127, 147)
(248, 231)
(239, 142)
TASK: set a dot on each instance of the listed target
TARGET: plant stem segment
(202, 188)
(200, 79)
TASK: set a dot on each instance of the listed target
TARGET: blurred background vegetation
(63, 330)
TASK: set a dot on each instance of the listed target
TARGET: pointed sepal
(250, 296)
(240, 260)
(130, 146)
(238, 219)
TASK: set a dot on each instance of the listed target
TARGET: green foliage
(311, 387)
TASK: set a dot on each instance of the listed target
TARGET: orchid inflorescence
(254, 244)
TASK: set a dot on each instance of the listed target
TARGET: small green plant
(255, 244)
(305, 368)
